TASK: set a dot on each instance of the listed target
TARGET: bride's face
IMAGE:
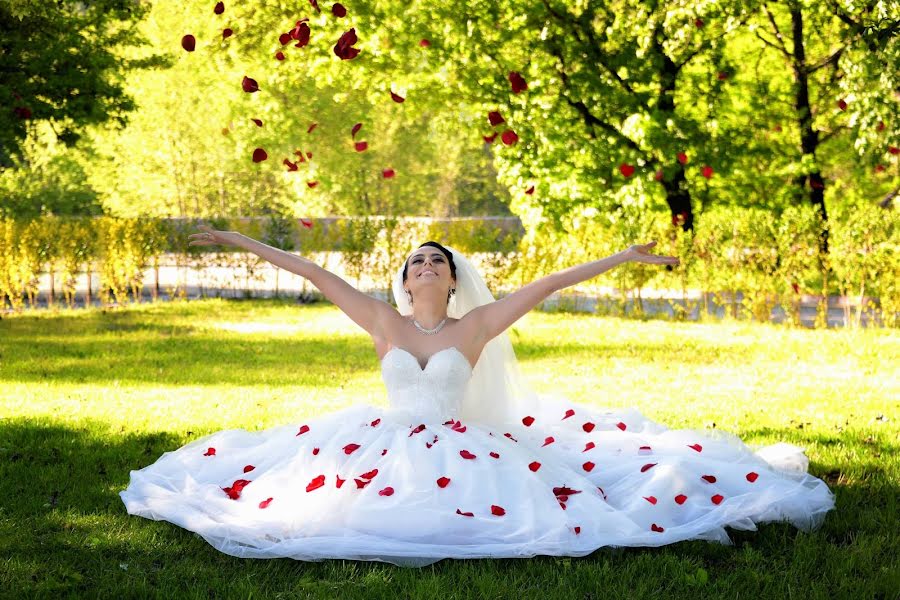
(428, 267)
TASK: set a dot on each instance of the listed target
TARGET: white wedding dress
(412, 484)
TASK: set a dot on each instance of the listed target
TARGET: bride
(467, 462)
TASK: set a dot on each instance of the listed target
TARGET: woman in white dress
(466, 462)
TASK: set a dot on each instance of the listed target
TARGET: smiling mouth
(426, 273)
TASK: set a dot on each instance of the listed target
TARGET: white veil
(496, 393)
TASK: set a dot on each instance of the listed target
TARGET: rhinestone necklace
(430, 331)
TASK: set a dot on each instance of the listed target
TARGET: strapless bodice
(433, 393)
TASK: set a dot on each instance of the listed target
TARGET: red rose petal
(680, 499)
(361, 483)
(698, 22)
(308, 154)
(722, 75)
(265, 503)
(220, 8)
(279, 55)
(495, 455)
(361, 146)
(370, 474)
(258, 122)
(303, 429)
(338, 10)
(709, 478)
(227, 33)
(248, 468)
(645, 450)
(210, 452)
(488, 139)
(388, 491)
(626, 170)
(315, 451)
(188, 42)
(621, 426)
(387, 173)
(383, 452)
(717, 499)
(375, 422)
(647, 467)
(306, 223)
(707, 171)
(547, 441)
(880, 126)
(494, 118)
(290, 165)
(497, 510)
(466, 454)
(682, 157)
(534, 466)
(509, 137)
(527, 421)
(659, 175)
(355, 129)
(530, 191)
(465, 514)
(650, 499)
(657, 528)
(588, 427)
(570, 412)
(315, 5)
(397, 98)
(316, 483)
(350, 448)
(842, 104)
(577, 530)
(339, 481)
(424, 43)
(301, 34)
(418, 429)
(517, 82)
(751, 476)
(311, 127)
(588, 446)
(443, 482)
(249, 85)
(259, 155)
(312, 184)
(343, 47)
(284, 39)
(893, 149)
(588, 466)
(509, 435)
(696, 447)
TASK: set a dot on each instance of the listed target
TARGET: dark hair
(443, 250)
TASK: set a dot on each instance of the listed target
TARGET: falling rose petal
(709, 478)
(588, 446)
(355, 129)
(588, 427)
(698, 23)
(248, 468)
(497, 510)
(547, 441)
(396, 98)
(311, 127)
(424, 43)
(290, 165)
(682, 158)
(534, 466)
(588, 466)
(311, 184)
(465, 514)
(509, 137)
(315, 451)
(879, 168)
(626, 170)
(717, 499)
(657, 528)
(647, 467)
(696, 447)
(527, 421)
(249, 85)
(751, 476)
(680, 499)
(370, 474)
(309, 155)
(375, 422)
(650, 499)
(220, 8)
(302, 35)
(339, 481)
(265, 503)
(621, 426)
(284, 39)
(893, 149)
(387, 173)
(259, 155)
(570, 412)
(530, 191)
(227, 33)
(466, 454)
(880, 126)
(388, 491)
(315, 5)
(443, 482)
(494, 118)
(306, 223)
(188, 42)
(210, 452)
(258, 122)
(350, 448)
(343, 49)
(707, 171)
(489, 139)
(303, 429)
(722, 75)
(279, 55)
(659, 175)
(495, 455)
(842, 104)
(316, 483)
(23, 112)
(338, 10)
(517, 82)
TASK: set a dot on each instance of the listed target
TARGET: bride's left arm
(495, 317)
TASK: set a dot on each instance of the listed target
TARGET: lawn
(88, 395)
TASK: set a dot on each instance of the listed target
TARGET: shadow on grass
(67, 530)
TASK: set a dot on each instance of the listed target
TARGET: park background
(757, 141)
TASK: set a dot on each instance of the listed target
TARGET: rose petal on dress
(494, 118)
(265, 503)
(577, 530)
(361, 483)
(339, 481)
(509, 137)
(249, 85)
(388, 491)
(588, 427)
(219, 8)
(443, 482)
(466, 454)
(509, 435)
(338, 10)
(534, 466)
(497, 510)
(495, 455)
(564, 491)
(315, 451)
(383, 452)
(303, 429)
(418, 429)
(188, 42)
(316, 483)
(588, 446)
(375, 422)
(517, 82)
(751, 476)
(650, 499)
(647, 467)
(210, 452)
(645, 450)
(588, 466)
(708, 478)
(657, 528)
(350, 448)
(361, 146)
(717, 499)
(696, 447)
(465, 514)
(259, 155)
(547, 441)
(248, 468)
(569, 413)
(369, 474)
(527, 421)
(234, 492)
(397, 98)
(621, 426)
(680, 499)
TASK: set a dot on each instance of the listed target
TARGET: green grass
(86, 396)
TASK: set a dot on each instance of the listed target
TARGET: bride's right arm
(371, 314)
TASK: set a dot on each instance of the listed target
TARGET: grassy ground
(86, 396)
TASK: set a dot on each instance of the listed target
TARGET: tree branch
(778, 35)
(827, 60)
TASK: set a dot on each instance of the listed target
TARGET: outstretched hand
(640, 253)
(210, 237)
